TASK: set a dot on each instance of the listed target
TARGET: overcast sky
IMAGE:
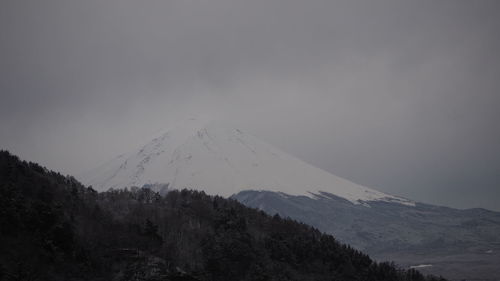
(400, 96)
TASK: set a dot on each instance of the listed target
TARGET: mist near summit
(401, 97)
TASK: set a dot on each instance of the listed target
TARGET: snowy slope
(460, 244)
(223, 161)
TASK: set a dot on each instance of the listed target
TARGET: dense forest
(54, 228)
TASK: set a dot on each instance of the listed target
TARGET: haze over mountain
(395, 95)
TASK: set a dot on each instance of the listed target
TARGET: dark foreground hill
(54, 228)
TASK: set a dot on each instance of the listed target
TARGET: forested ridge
(54, 228)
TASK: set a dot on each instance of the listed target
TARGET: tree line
(54, 228)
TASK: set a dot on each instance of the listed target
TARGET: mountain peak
(220, 160)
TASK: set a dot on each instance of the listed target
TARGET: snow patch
(420, 266)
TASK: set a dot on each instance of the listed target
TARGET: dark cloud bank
(401, 96)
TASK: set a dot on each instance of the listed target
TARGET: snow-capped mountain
(227, 161)
(223, 161)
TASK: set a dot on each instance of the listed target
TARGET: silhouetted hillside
(54, 228)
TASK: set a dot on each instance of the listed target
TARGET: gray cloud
(399, 96)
